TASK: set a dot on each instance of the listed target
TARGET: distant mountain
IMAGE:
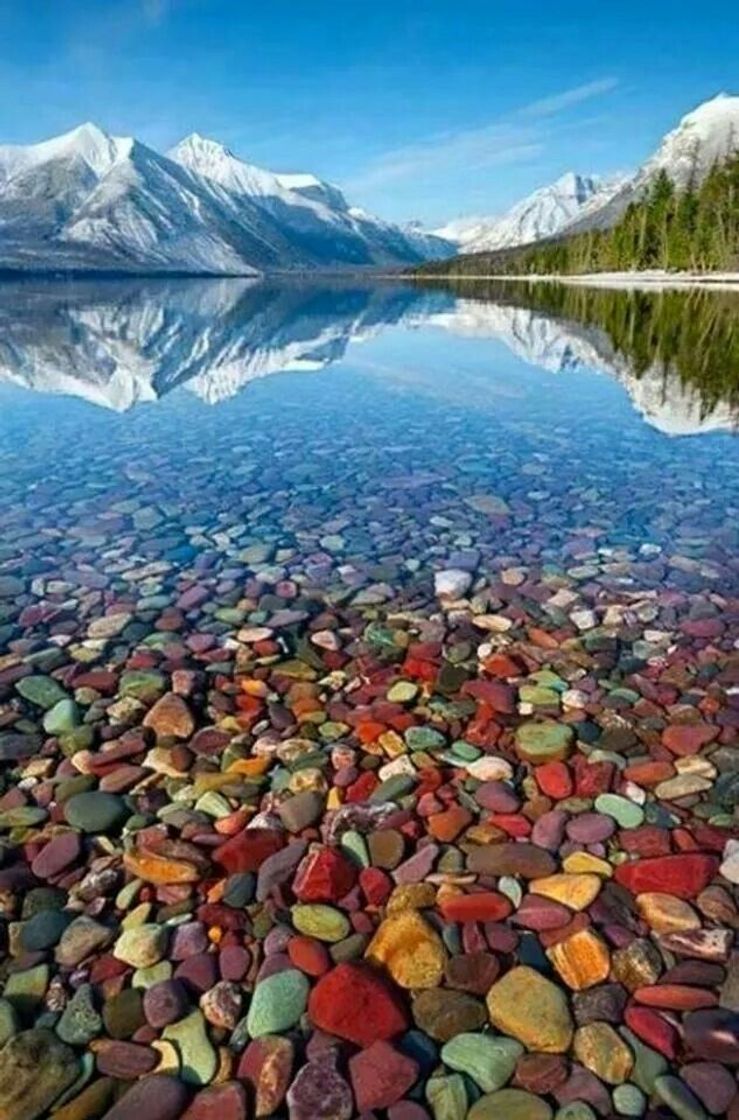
(704, 137)
(86, 200)
(542, 214)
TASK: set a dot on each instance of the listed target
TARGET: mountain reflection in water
(117, 343)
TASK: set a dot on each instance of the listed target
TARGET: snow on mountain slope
(89, 200)
(705, 136)
(541, 214)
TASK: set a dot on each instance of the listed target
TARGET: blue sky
(418, 108)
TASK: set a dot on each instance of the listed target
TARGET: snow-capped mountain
(707, 135)
(86, 200)
(542, 214)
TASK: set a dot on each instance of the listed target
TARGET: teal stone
(649, 1064)
(354, 845)
(488, 1059)
(465, 751)
(63, 717)
(423, 738)
(80, 1022)
(575, 1110)
(447, 1097)
(626, 813)
(44, 930)
(95, 811)
(44, 692)
(628, 1100)
(198, 1059)
(679, 1099)
(277, 1003)
(392, 789)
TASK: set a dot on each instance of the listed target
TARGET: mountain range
(89, 201)
(576, 203)
(121, 343)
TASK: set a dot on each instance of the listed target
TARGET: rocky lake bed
(368, 745)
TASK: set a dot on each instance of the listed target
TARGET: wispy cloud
(548, 106)
(516, 138)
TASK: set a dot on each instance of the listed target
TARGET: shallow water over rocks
(352, 715)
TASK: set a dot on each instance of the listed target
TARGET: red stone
(266, 1066)
(487, 906)
(500, 697)
(652, 1029)
(324, 875)
(380, 1076)
(688, 738)
(554, 779)
(675, 997)
(684, 876)
(226, 1101)
(376, 885)
(309, 955)
(248, 850)
(358, 1004)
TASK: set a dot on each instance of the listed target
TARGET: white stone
(452, 583)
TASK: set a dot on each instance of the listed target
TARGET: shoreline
(716, 281)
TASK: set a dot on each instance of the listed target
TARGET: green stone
(146, 685)
(44, 692)
(575, 1110)
(538, 696)
(628, 1100)
(80, 1022)
(325, 923)
(513, 1104)
(447, 1097)
(354, 845)
(9, 1023)
(679, 1098)
(277, 1003)
(649, 1064)
(424, 738)
(95, 811)
(546, 741)
(402, 692)
(23, 816)
(124, 1013)
(25, 990)
(626, 813)
(393, 788)
(199, 1061)
(64, 716)
(36, 1067)
(142, 946)
(488, 1059)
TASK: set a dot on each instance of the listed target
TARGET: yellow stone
(575, 891)
(527, 1006)
(578, 863)
(169, 1057)
(664, 913)
(581, 960)
(412, 952)
(392, 744)
(249, 767)
(335, 798)
(411, 896)
(308, 778)
(601, 1050)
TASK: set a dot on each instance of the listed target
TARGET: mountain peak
(203, 146)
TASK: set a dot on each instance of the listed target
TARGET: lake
(443, 583)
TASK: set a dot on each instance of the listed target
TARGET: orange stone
(159, 869)
(581, 960)
(485, 906)
(170, 717)
(664, 913)
(447, 826)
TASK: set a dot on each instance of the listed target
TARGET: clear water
(356, 429)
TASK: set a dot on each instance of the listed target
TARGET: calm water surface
(371, 433)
